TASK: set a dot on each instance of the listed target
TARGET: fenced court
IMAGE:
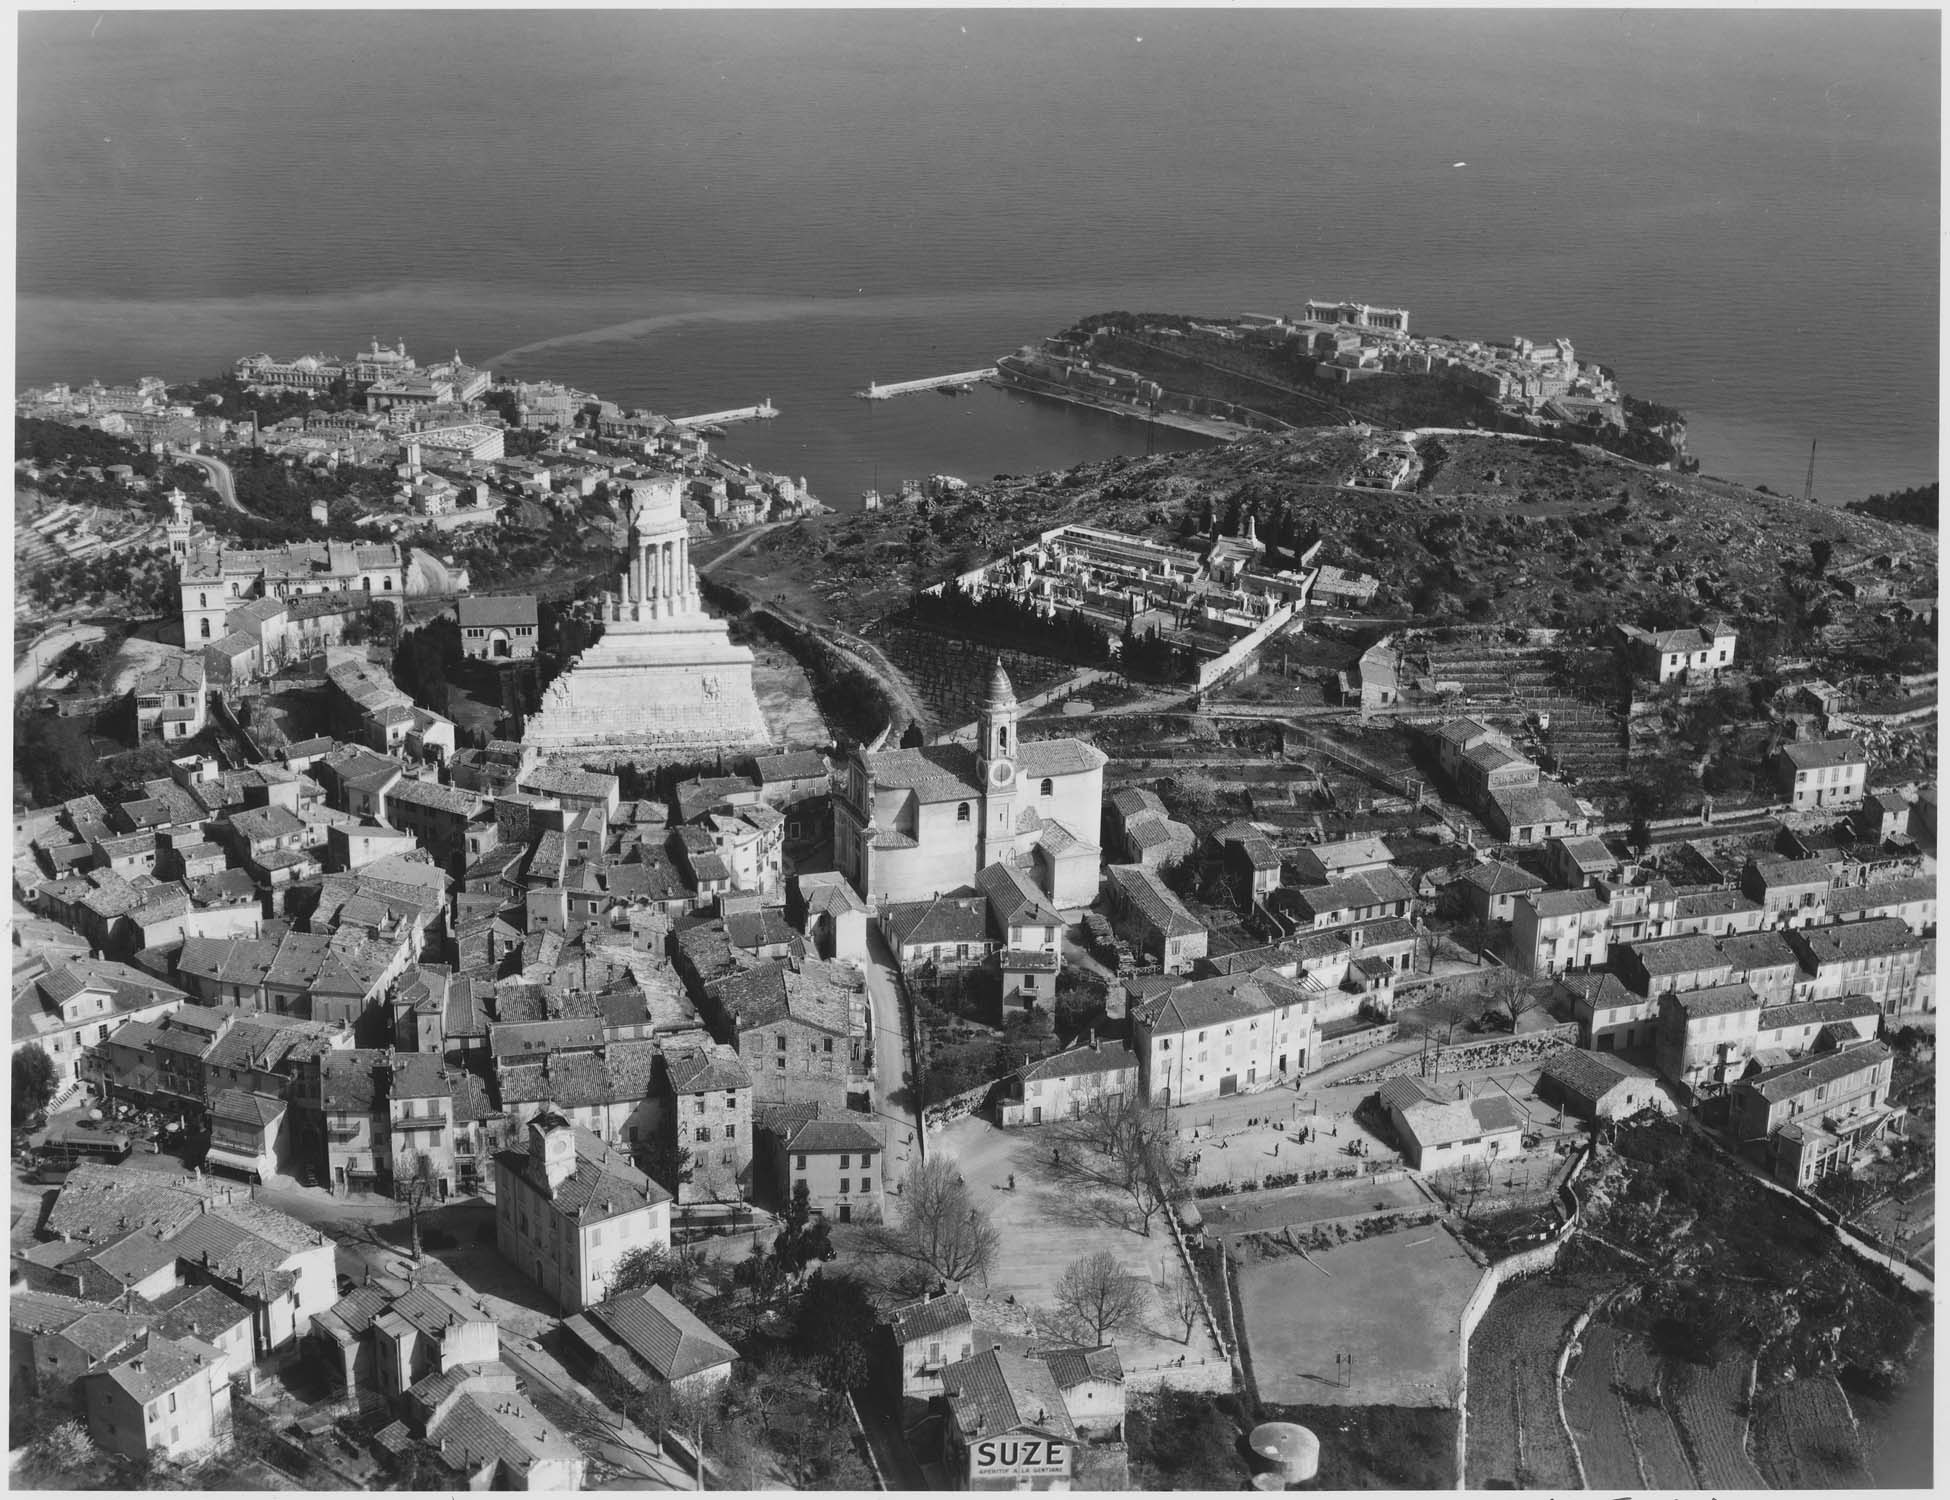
(1376, 1322)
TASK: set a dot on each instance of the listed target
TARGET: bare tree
(1122, 1144)
(413, 1187)
(1098, 1295)
(942, 1234)
(1514, 992)
(1463, 1185)
(1179, 1293)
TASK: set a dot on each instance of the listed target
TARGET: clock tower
(995, 764)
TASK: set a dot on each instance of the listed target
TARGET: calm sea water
(1738, 212)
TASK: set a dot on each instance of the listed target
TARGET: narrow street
(896, 1100)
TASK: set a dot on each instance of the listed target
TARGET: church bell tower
(995, 763)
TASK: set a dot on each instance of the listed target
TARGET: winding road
(46, 651)
(220, 477)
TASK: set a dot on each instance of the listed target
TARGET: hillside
(1494, 530)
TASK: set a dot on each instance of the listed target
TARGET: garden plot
(1805, 1437)
(1706, 1402)
(1597, 1417)
(1515, 1432)
(1638, 1372)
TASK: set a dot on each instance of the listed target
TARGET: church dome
(1002, 693)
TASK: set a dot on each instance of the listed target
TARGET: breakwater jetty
(877, 392)
(764, 409)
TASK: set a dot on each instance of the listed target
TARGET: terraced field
(1706, 1400)
(1599, 1425)
(1653, 1434)
(1805, 1437)
(1515, 1432)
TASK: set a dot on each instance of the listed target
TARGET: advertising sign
(1019, 1458)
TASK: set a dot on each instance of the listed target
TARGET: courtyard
(1046, 1222)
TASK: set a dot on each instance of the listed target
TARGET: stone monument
(665, 675)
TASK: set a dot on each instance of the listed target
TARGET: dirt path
(745, 540)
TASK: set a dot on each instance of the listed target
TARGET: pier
(878, 392)
(764, 409)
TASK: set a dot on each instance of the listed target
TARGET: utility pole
(1808, 490)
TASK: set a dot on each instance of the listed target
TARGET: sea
(1737, 211)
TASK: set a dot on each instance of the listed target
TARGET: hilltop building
(665, 674)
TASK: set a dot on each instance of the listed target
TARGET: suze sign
(1019, 1458)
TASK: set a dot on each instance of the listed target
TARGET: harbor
(962, 381)
(765, 410)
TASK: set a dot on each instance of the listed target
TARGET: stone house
(1060, 1086)
(1822, 773)
(1809, 1118)
(1154, 920)
(1209, 1038)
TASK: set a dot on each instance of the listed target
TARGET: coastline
(1211, 427)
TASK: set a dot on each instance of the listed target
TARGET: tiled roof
(1206, 1002)
(758, 929)
(1809, 755)
(850, 1131)
(931, 1316)
(1783, 872)
(432, 795)
(1884, 893)
(1352, 892)
(935, 773)
(1716, 1000)
(1058, 757)
(1081, 1061)
(1131, 800)
(705, 1069)
(1818, 1012)
(1590, 1075)
(498, 1427)
(1747, 951)
(603, 1186)
(253, 1110)
(1838, 942)
(1074, 1367)
(945, 919)
(799, 765)
(1798, 1078)
(1150, 896)
(1677, 955)
(496, 609)
(996, 1392)
(1014, 898)
(202, 1312)
(662, 1332)
(164, 1365)
(1713, 904)
(1499, 878)
(1546, 802)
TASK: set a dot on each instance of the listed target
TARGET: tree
(1513, 991)
(1475, 934)
(804, 1239)
(1463, 1185)
(1098, 1295)
(942, 1235)
(413, 1187)
(33, 1081)
(667, 1162)
(835, 1328)
(1181, 1299)
(1125, 1145)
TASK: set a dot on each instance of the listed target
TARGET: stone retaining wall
(1492, 1052)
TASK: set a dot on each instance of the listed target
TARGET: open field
(1301, 1312)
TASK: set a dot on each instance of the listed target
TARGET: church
(914, 823)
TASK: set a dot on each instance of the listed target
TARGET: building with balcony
(1817, 1116)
